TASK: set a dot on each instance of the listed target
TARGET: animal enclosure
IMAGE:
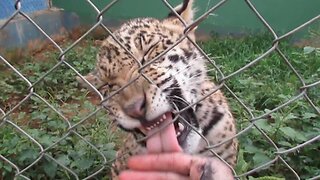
(51, 128)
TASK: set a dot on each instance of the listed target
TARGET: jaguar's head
(146, 83)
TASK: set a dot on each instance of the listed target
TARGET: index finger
(173, 162)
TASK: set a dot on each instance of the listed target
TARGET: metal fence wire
(45, 151)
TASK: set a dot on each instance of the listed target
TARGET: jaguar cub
(175, 81)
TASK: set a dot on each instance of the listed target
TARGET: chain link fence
(47, 152)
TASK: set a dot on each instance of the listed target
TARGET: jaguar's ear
(185, 10)
(92, 78)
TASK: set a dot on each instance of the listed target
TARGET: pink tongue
(164, 140)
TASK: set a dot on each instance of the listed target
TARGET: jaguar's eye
(143, 60)
(113, 87)
(108, 86)
(104, 89)
(148, 52)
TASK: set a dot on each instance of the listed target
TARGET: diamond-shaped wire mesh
(72, 135)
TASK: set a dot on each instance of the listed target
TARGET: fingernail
(207, 172)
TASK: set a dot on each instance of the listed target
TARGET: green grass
(262, 88)
(61, 90)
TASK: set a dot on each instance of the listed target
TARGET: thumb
(197, 168)
(210, 169)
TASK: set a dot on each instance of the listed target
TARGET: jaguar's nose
(136, 109)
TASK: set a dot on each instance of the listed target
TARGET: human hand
(175, 166)
(166, 161)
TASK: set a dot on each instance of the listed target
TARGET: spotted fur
(172, 82)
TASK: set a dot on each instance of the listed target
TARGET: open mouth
(181, 130)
